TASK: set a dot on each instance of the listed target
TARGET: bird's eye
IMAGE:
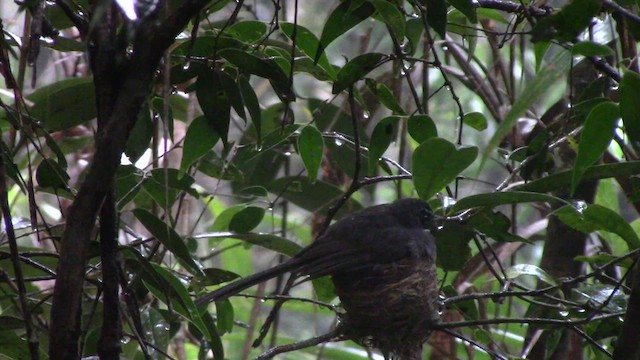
(426, 218)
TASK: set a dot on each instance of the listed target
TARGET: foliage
(153, 150)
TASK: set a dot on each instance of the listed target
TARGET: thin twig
(333, 334)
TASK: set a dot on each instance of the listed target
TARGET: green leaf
(304, 64)
(246, 219)
(309, 44)
(563, 179)
(494, 224)
(476, 120)
(140, 136)
(496, 199)
(452, 243)
(222, 220)
(169, 238)
(385, 96)
(595, 138)
(516, 271)
(392, 17)
(437, 16)
(437, 162)
(589, 48)
(201, 137)
(64, 104)
(381, 138)
(265, 68)
(253, 106)
(248, 31)
(212, 336)
(324, 288)
(311, 148)
(232, 92)
(421, 127)
(590, 218)
(467, 8)
(357, 69)
(51, 175)
(415, 28)
(224, 313)
(630, 107)
(267, 241)
(341, 20)
(214, 102)
(176, 292)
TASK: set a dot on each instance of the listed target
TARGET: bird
(382, 261)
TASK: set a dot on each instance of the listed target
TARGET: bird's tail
(244, 283)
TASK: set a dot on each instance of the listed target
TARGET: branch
(613, 7)
(513, 7)
(153, 37)
(536, 321)
(333, 334)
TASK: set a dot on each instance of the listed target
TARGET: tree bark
(153, 36)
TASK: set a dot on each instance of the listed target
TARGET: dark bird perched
(382, 263)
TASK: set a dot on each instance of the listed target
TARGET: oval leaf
(392, 17)
(421, 128)
(630, 107)
(51, 175)
(437, 16)
(201, 137)
(384, 95)
(308, 43)
(598, 131)
(342, 19)
(476, 120)
(466, 7)
(311, 148)
(380, 140)
(246, 219)
(214, 103)
(250, 100)
(357, 69)
(65, 104)
(437, 162)
(516, 271)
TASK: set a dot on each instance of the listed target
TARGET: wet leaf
(311, 148)
(437, 162)
(357, 69)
